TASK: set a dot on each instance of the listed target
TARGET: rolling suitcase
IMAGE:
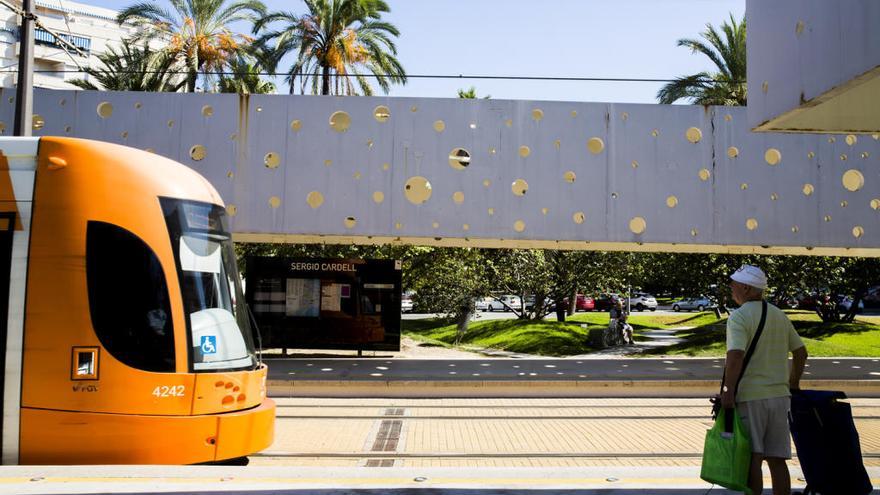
(827, 444)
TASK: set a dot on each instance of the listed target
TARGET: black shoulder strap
(751, 349)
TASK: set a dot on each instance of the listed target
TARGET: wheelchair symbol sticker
(209, 344)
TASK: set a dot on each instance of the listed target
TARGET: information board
(325, 303)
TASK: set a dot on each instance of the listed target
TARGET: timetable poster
(331, 296)
(303, 297)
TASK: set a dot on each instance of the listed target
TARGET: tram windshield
(216, 316)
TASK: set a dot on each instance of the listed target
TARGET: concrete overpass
(495, 173)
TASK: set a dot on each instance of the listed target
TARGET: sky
(552, 38)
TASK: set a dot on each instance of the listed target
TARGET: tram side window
(128, 298)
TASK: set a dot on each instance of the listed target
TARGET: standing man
(763, 399)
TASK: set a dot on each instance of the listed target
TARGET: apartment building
(87, 27)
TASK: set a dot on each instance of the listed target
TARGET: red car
(605, 301)
(584, 303)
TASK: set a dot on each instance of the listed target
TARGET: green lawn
(649, 320)
(551, 338)
(545, 338)
(858, 339)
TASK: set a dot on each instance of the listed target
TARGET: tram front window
(217, 321)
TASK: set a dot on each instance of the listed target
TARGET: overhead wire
(420, 76)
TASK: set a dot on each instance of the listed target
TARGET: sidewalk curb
(535, 388)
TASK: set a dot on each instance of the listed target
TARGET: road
(505, 315)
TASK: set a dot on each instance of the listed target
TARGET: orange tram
(124, 335)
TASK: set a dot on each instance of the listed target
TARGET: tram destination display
(303, 303)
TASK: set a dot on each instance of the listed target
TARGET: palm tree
(725, 87)
(470, 94)
(131, 68)
(337, 41)
(245, 78)
(197, 31)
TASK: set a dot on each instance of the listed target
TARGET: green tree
(522, 272)
(450, 280)
(337, 43)
(727, 86)
(563, 270)
(244, 78)
(197, 32)
(861, 275)
(132, 68)
(470, 94)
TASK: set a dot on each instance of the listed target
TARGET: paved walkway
(506, 432)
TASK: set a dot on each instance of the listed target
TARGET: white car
(699, 303)
(504, 303)
(846, 303)
(641, 302)
(406, 304)
(482, 304)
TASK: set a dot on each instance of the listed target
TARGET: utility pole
(24, 95)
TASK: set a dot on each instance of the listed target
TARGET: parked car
(701, 303)
(529, 301)
(812, 301)
(845, 303)
(641, 301)
(604, 302)
(505, 303)
(584, 303)
(807, 301)
(482, 304)
(787, 302)
(406, 304)
(872, 298)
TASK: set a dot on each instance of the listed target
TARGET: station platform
(326, 481)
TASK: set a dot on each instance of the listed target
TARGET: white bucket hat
(750, 275)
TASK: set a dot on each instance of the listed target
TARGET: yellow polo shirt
(767, 373)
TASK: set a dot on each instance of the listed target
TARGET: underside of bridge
(814, 66)
(495, 173)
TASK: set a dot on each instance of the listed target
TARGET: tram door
(7, 226)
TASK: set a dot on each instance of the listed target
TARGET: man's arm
(799, 359)
(732, 368)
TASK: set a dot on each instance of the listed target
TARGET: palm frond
(726, 49)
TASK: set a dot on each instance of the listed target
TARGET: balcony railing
(43, 37)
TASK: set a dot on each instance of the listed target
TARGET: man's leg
(756, 478)
(780, 476)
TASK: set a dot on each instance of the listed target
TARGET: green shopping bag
(727, 453)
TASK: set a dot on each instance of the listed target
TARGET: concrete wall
(645, 177)
(814, 65)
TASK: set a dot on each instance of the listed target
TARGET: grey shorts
(767, 422)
